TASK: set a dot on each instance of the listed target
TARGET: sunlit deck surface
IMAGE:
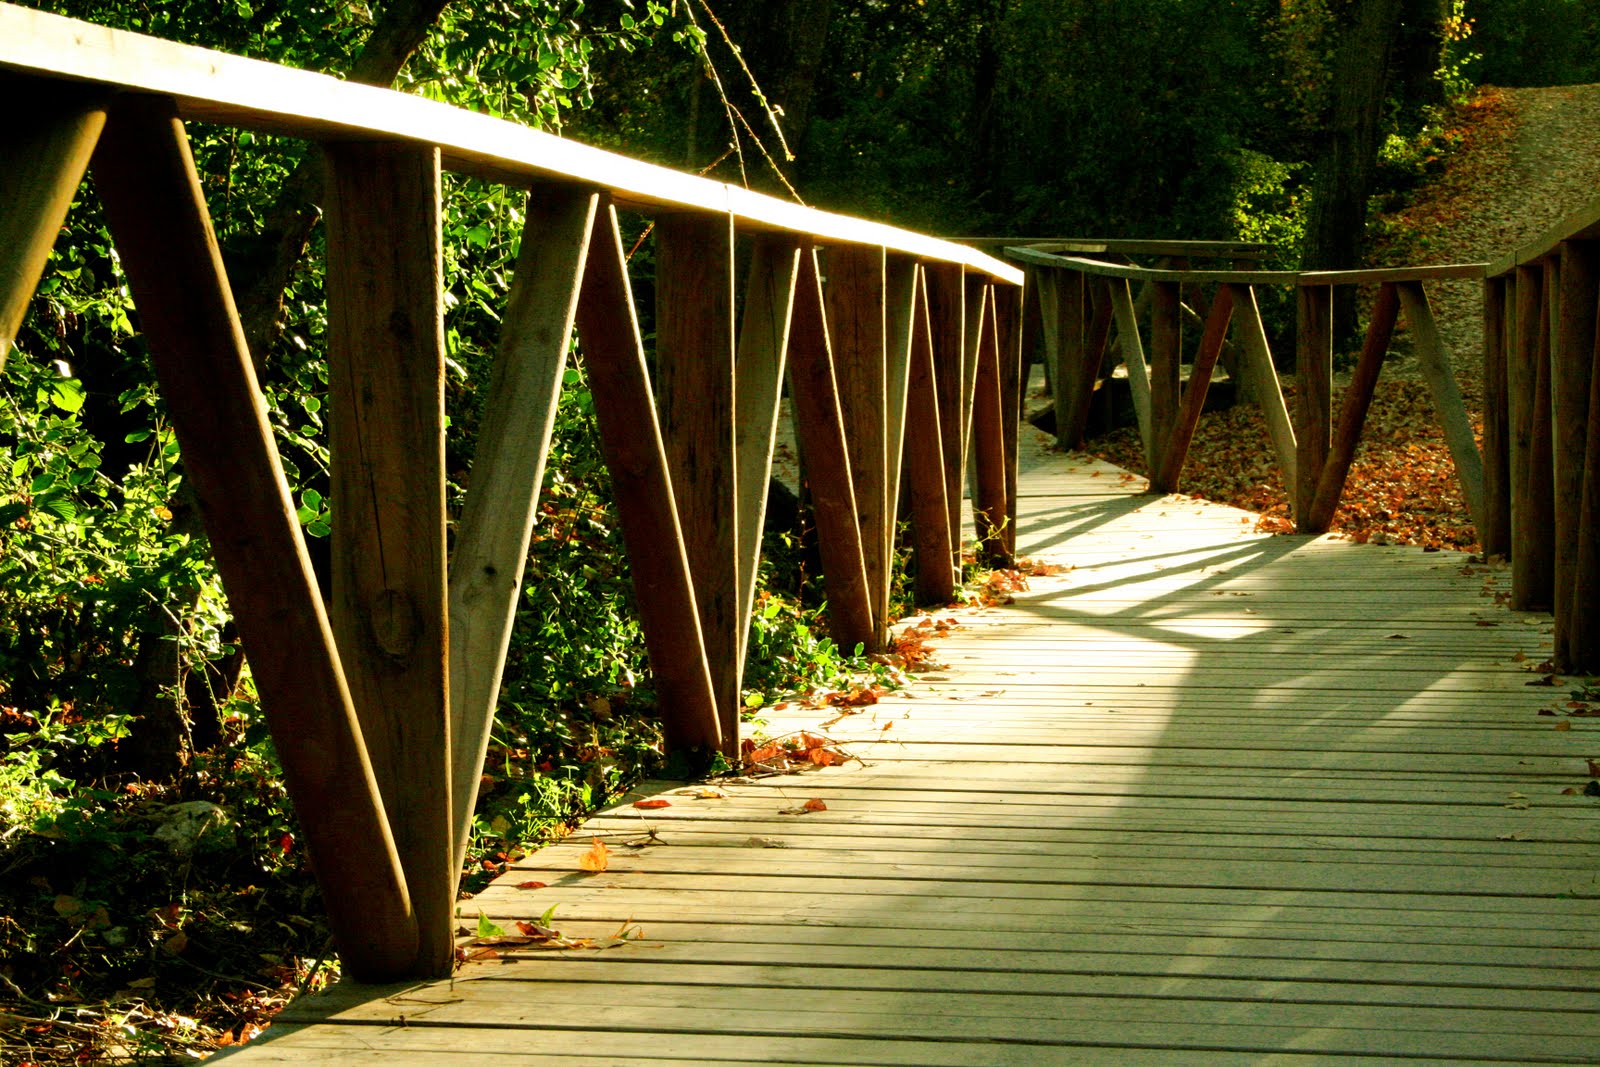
(1206, 797)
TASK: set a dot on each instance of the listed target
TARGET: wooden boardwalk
(1207, 797)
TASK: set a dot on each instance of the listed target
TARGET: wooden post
(1495, 534)
(819, 425)
(157, 214)
(491, 546)
(695, 396)
(1165, 479)
(1013, 384)
(46, 145)
(630, 438)
(1313, 377)
(386, 437)
(988, 444)
(758, 394)
(1071, 322)
(974, 320)
(1583, 622)
(899, 308)
(1265, 385)
(1531, 549)
(1095, 336)
(948, 310)
(1133, 357)
(1353, 411)
(1447, 402)
(1539, 587)
(925, 467)
(1165, 377)
(1571, 361)
(854, 296)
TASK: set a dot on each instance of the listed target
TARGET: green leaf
(57, 505)
(67, 394)
(10, 513)
(487, 928)
(318, 529)
(42, 483)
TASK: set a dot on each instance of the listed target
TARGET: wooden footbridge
(1205, 796)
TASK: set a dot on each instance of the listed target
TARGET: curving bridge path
(1204, 797)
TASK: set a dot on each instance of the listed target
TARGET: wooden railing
(901, 354)
(1075, 303)
(1542, 369)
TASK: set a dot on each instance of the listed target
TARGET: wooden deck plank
(1187, 801)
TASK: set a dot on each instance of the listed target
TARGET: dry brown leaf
(597, 859)
(656, 803)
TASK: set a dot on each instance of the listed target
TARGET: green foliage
(1536, 42)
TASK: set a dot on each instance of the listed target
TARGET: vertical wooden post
(1447, 402)
(1583, 623)
(819, 425)
(630, 438)
(1165, 376)
(854, 295)
(1122, 306)
(1495, 535)
(386, 437)
(1531, 550)
(1353, 411)
(491, 546)
(1265, 385)
(900, 288)
(1540, 587)
(758, 393)
(975, 321)
(1313, 375)
(988, 443)
(157, 214)
(1095, 335)
(1013, 383)
(46, 146)
(948, 311)
(1165, 477)
(1571, 361)
(930, 514)
(1071, 322)
(695, 394)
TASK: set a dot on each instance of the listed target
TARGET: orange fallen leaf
(597, 859)
(658, 803)
(814, 805)
(530, 885)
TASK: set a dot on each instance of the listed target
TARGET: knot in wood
(395, 623)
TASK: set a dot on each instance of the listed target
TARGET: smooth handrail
(250, 94)
(1471, 271)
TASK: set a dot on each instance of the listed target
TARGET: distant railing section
(901, 354)
(1542, 372)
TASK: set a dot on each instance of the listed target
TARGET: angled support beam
(989, 507)
(857, 331)
(974, 322)
(924, 456)
(1176, 448)
(1127, 319)
(1264, 383)
(695, 394)
(1447, 402)
(1013, 382)
(630, 439)
(820, 426)
(1165, 378)
(1495, 535)
(899, 308)
(1314, 394)
(758, 393)
(46, 146)
(386, 438)
(147, 181)
(1353, 411)
(947, 309)
(491, 547)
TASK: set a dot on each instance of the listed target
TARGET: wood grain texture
(386, 444)
(1264, 384)
(46, 146)
(1176, 451)
(1166, 341)
(1447, 402)
(990, 507)
(1176, 865)
(1528, 382)
(695, 397)
(758, 394)
(1495, 536)
(630, 439)
(854, 296)
(491, 544)
(924, 464)
(1583, 619)
(1313, 375)
(1072, 326)
(900, 309)
(948, 310)
(1353, 407)
(1127, 320)
(1013, 348)
(1572, 344)
(147, 181)
(819, 426)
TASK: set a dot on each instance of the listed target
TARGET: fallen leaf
(1592, 789)
(530, 885)
(1594, 768)
(765, 842)
(1563, 726)
(702, 792)
(657, 803)
(596, 859)
(814, 805)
